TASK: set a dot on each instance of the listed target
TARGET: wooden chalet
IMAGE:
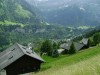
(19, 59)
(66, 46)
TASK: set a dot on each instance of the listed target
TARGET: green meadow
(85, 62)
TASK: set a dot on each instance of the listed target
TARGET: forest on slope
(17, 11)
(20, 22)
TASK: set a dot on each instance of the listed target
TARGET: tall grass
(83, 63)
(70, 59)
(87, 67)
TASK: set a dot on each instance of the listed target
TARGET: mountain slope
(19, 22)
(17, 11)
(71, 12)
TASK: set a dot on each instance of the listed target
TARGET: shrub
(55, 53)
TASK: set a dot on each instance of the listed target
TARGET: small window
(11, 57)
(13, 49)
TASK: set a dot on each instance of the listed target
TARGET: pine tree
(72, 49)
(54, 45)
(55, 51)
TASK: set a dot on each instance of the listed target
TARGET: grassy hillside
(82, 63)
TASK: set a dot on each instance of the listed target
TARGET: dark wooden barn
(19, 59)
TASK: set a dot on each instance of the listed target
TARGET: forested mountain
(16, 19)
(71, 12)
(20, 22)
(18, 11)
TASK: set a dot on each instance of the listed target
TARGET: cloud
(81, 8)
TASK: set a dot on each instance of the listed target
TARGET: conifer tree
(55, 51)
(72, 49)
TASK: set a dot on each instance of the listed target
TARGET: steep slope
(17, 11)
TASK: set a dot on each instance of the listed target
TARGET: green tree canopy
(55, 45)
(47, 47)
(96, 38)
(3, 41)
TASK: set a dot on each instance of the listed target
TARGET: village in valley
(19, 59)
(49, 37)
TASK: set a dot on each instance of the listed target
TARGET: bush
(90, 43)
(96, 38)
(55, 53)
(65, 51)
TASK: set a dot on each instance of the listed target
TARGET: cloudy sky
(42, 0)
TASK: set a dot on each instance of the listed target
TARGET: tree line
(51, 48)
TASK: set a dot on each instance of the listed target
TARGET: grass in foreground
(82, 63)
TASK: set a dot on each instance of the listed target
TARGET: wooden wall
(23, 65)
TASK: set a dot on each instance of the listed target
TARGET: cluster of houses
(19, 59)
(78, 45)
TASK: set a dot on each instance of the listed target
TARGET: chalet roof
(77, 45)
(84, 41)
(66, 45)
(13, 53)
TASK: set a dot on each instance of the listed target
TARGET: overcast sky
(42, 0)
